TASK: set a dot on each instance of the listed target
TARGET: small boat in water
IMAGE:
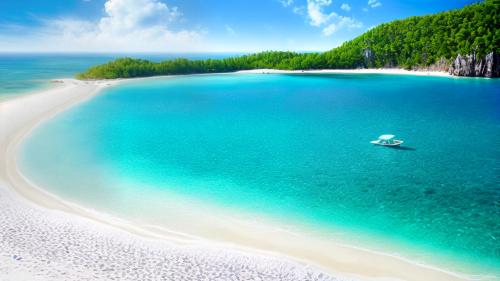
(387, 140)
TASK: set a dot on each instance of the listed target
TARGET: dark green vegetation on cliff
(465, 41)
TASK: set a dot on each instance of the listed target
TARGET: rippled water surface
(294, 146)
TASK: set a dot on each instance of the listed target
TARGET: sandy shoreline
(255, 244)
(390, 71)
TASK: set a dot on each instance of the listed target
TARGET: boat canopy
(386, 137)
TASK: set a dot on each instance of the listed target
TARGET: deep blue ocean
(294, 147)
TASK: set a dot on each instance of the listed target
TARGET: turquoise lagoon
(295, 148)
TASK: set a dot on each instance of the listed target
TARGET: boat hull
(394, 143)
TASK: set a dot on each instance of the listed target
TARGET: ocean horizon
(22, 73)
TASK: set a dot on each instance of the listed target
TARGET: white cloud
(330, 22)
(317, 16)
(374, 3)
(286, 3)
(345, 7)
(343, 22)
(130, 15)
(128, 25)
(329, 30)
(229, 30)
(298, 10)
(365, 9)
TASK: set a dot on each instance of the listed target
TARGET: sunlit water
(294, 147)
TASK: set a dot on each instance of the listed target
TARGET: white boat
(387, 140)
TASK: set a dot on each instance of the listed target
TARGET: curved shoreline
(339, 259)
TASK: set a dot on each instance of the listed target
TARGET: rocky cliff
(473, 66)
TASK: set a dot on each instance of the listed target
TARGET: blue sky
(197, 25)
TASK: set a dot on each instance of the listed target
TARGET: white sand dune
(45, 238)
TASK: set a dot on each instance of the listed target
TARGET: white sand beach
(393, 71)
(43, 237)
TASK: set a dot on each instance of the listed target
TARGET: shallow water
(21, 73)
(294, 147)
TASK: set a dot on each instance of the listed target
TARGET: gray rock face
(470, 65)
(368, 57)
(492, 65)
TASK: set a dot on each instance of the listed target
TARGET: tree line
(414, 42)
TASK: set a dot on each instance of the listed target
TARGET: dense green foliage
(128, 67)
(421, 41)
(412, 42)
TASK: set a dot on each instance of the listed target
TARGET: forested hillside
(422, 41)
(465, 40)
